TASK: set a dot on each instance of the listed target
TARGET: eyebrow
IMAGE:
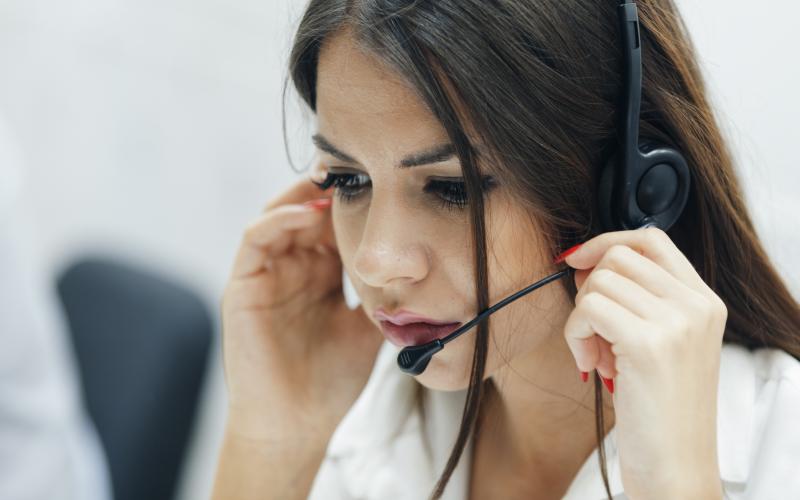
(435, 154)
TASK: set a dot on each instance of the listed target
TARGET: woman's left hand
(644, 318)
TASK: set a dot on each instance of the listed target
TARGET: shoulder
(758, 414)
(769, 376)
(777, 366)
(777, 405)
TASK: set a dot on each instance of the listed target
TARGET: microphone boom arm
(414, 359)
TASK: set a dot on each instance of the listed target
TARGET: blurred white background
(152, 129)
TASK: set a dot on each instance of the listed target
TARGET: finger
(598, 314)
(589, 351)
(271, 235)
(606, 365)
(580, 276)
(622, 290)
(320, 234)
(628, 262)
(308, 277)
(278, 221)
(597, 353)
(302, 190)
(651, 242)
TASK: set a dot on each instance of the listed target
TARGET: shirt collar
(381, 409)
(389, 398)
(735, 412)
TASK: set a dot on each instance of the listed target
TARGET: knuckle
(250, 231)
(592, 301)
(649, 347)
(600, 277)
(697, 302)
(708, 306)
(719, 306)
(655, 236)
(616, 255)
(715, 312)
(604, 274)
(723, 314)
(678, 323)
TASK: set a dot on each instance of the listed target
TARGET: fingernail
(609, 382)
(319, 203)
(560, 257)
(584, 376)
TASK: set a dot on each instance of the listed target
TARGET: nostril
(395, 269)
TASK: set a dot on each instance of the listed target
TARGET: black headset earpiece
(642, 184)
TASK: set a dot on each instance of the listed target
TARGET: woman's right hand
(296, 357)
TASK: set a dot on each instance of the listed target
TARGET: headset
(641, 185)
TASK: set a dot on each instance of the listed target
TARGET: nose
(391, 251)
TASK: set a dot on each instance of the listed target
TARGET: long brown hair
(539, 83)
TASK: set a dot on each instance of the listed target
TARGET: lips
(415, 333)
(405, 328)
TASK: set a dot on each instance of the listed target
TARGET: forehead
(360, 99)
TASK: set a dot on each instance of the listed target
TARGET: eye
(453, 194)
(348, 186)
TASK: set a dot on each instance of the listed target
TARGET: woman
(464, 141)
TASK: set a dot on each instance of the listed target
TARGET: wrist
(707, 491)
(266, 464)
(261, 429)
(695, 484)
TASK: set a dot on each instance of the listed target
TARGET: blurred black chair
(142, 346)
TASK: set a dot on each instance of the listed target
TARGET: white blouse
(385, 448)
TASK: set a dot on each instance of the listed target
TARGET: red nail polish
(319, 203)
(584, 376)
(609, 382)
(560, 257)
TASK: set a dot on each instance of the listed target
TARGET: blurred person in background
(48, 446)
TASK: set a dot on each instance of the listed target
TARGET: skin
(640, 312)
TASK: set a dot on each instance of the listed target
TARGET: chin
(447, 373)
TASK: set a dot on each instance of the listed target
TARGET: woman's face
(402, 245)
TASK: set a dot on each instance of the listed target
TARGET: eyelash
(451, 195)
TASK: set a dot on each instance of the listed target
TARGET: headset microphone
(642, 185)
(414, 359)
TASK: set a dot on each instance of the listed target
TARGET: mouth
(415, 333)
(405, 328)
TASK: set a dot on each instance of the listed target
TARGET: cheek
(530, 331)
(515, 334)
(347, 230)
(519, 333)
